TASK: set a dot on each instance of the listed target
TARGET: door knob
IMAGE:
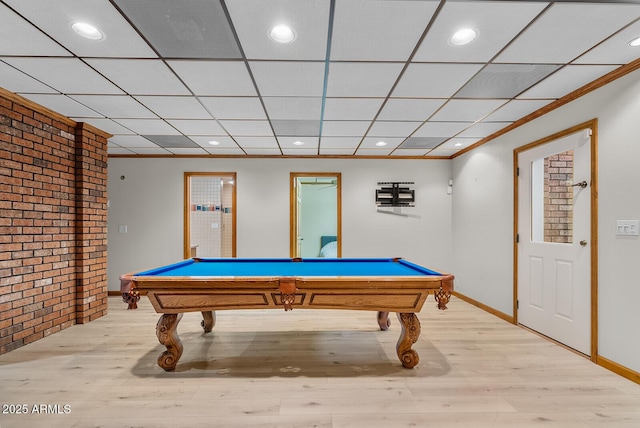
(582, 184)
(583, 243)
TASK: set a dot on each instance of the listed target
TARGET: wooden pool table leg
(167, 333)
(408, 336)
(383, 321)
(208, 320)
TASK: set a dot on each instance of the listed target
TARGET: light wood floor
(310, 369)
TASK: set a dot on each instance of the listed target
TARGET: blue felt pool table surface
(203, 267)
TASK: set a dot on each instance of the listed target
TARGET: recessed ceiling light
(298, 143)
(635, 42)
(87, 31)
(457, 144)
(214, 142)
(463, 36)
(381, 144)
(282, 34)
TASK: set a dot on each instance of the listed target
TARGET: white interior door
(554, 224)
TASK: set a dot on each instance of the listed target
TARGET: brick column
(53, 211)
(91, 223)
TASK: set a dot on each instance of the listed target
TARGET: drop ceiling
(172, 76)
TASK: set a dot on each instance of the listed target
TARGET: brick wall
(558, 198)
(52, 222)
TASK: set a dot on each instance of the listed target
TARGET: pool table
(209, 284)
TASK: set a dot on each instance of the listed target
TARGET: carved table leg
(409, 335)
(208, 320)
(167, 333)
(383, 321)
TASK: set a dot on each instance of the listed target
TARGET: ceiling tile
(299, 152)
(293, 108)
(224, 142)
(115, 106)
(175, 107)
(296, 128)
(231, 77)
(16, 81)
(67, 75)
(421, 142)
(409, 109)
(257, 143)
(505, 80)
(148, 126)
(62, 104)
(483, 129)
(247, 127)
(496, 22)
(344, 128)
(339, 142)
(150, 151)
(392, 129)
(170, 141)
(133, 76)
(567, 30)
(107, 125)
(329, 151)
(371, 142)
(351, 108)
(253, 19)
(434, 80)
(263, 152)
(458, 143)
(466, 110)
(615, 50)
(378, 30)
(187, 151)
(409, 152)
(183, 29)
(234, 107)
(373, 152)
(296, 79)
(516, 109)
(198, 127)
(225, 151)
(442, 152)
(567, 80)
(288, 143)
(362, 79)
(18, 37)
(441, 129)
(131, 141)
(56, 17)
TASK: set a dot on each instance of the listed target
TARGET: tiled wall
(53, 219)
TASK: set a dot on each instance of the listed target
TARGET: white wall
(149, 201)
(483, 213)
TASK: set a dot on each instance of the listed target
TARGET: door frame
(293, 208)
(187, 207)
(593, 126)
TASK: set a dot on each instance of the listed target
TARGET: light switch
(627, 227)
(122, 228)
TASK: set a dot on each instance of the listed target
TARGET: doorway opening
(209, 214)
(315, 214)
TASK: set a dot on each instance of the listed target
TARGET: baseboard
(113, 293)
(601, 361)
(618, 369)
(484, 307)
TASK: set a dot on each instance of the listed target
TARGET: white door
(554, 248)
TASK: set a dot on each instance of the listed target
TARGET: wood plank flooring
(309, 369)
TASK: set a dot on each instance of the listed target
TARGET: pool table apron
(176, 295)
